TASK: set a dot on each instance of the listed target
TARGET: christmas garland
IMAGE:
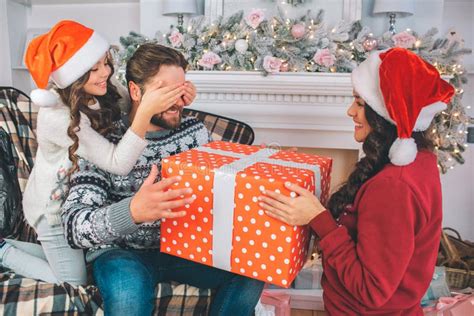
(276, 44)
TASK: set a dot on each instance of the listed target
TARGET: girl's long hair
(77, 100)
(376, 147)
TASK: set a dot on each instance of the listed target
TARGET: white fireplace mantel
(287, 109)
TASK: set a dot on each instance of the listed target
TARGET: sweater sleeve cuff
(133, 138)
(121, 219)
(323, 224)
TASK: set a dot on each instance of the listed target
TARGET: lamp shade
(403, 7)
(173, 7)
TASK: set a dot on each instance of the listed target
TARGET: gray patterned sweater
(96, 212)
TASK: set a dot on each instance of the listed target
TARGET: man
(118, 217)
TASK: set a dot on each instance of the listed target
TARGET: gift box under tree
(225, 226)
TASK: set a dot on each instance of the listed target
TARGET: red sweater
(380, 258)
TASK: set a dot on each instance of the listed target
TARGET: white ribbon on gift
(224, 196)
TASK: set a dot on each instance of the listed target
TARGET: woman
(379, 235)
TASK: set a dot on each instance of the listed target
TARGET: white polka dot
(166, 160)
(282, 228)
(207, 178)
(206, 199)
(168, 249)
(284, 282)
(280, 249)
(204, 240)
(255, 199)
(257, 255)
(170, 170)
(292, 194)
(277, 191)
(205, 220)
(180, 235)
(249, 263)
(200, 209)
(278, 271)
(243, 175)
(237, 238)
(253, 220)
(187, 184)
(194, 176)
(273, 236)
(200, 188)
(175, 223)
(258, 232)
(269, 279)
(193, 217)
(199, 228)
(264, 245)
(257, 177)
(181, 172)
(248, 186)
(191, 256)
(237, 260)
(267, 224)
(245, 229)
(204, 259)
(247, 208)
(271, 180)
(261, 212)
(198, 249)
(251, 242)
(262, 188)
(288, 239)
(263, 266)
(286, 261)
(168, 230)
(255, 274)
(241, 196)
(185, 245)
(193, 237)
(179, 252)
(272, 258)
(244, 250)
(163, 239)
(242, 270)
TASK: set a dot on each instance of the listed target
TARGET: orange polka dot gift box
(225, 227)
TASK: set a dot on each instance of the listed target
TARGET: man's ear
(135, 92)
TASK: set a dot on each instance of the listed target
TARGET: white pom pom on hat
(64, 54)
(405, 90)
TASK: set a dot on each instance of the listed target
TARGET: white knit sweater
(47, 184)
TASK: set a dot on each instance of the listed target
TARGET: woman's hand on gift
(157, 200)
(299, 210)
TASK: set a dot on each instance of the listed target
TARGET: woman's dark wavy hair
(77, 100)
(376, 148)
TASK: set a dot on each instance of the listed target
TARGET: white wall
(112, 20)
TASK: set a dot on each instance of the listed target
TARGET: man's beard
(168, 123)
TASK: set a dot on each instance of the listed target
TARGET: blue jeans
(127, 280)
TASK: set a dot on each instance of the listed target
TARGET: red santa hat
(406, 91)
(64, 54)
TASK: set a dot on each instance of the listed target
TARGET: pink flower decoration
(255, 17)
(323, 57)
(272, 64)
(176, 38)
(298, 30)
(404, 39)
(209, 59)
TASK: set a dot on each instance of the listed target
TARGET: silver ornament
(370, 43)
(241, 46)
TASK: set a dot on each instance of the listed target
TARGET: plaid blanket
(23, 296)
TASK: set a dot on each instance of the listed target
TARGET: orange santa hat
(64, 54)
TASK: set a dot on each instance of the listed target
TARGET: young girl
(72, 121)
(380, 235)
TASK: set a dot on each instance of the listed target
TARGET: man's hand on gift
(156, 200)
(299, 210)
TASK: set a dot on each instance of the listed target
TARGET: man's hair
(147, 61)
